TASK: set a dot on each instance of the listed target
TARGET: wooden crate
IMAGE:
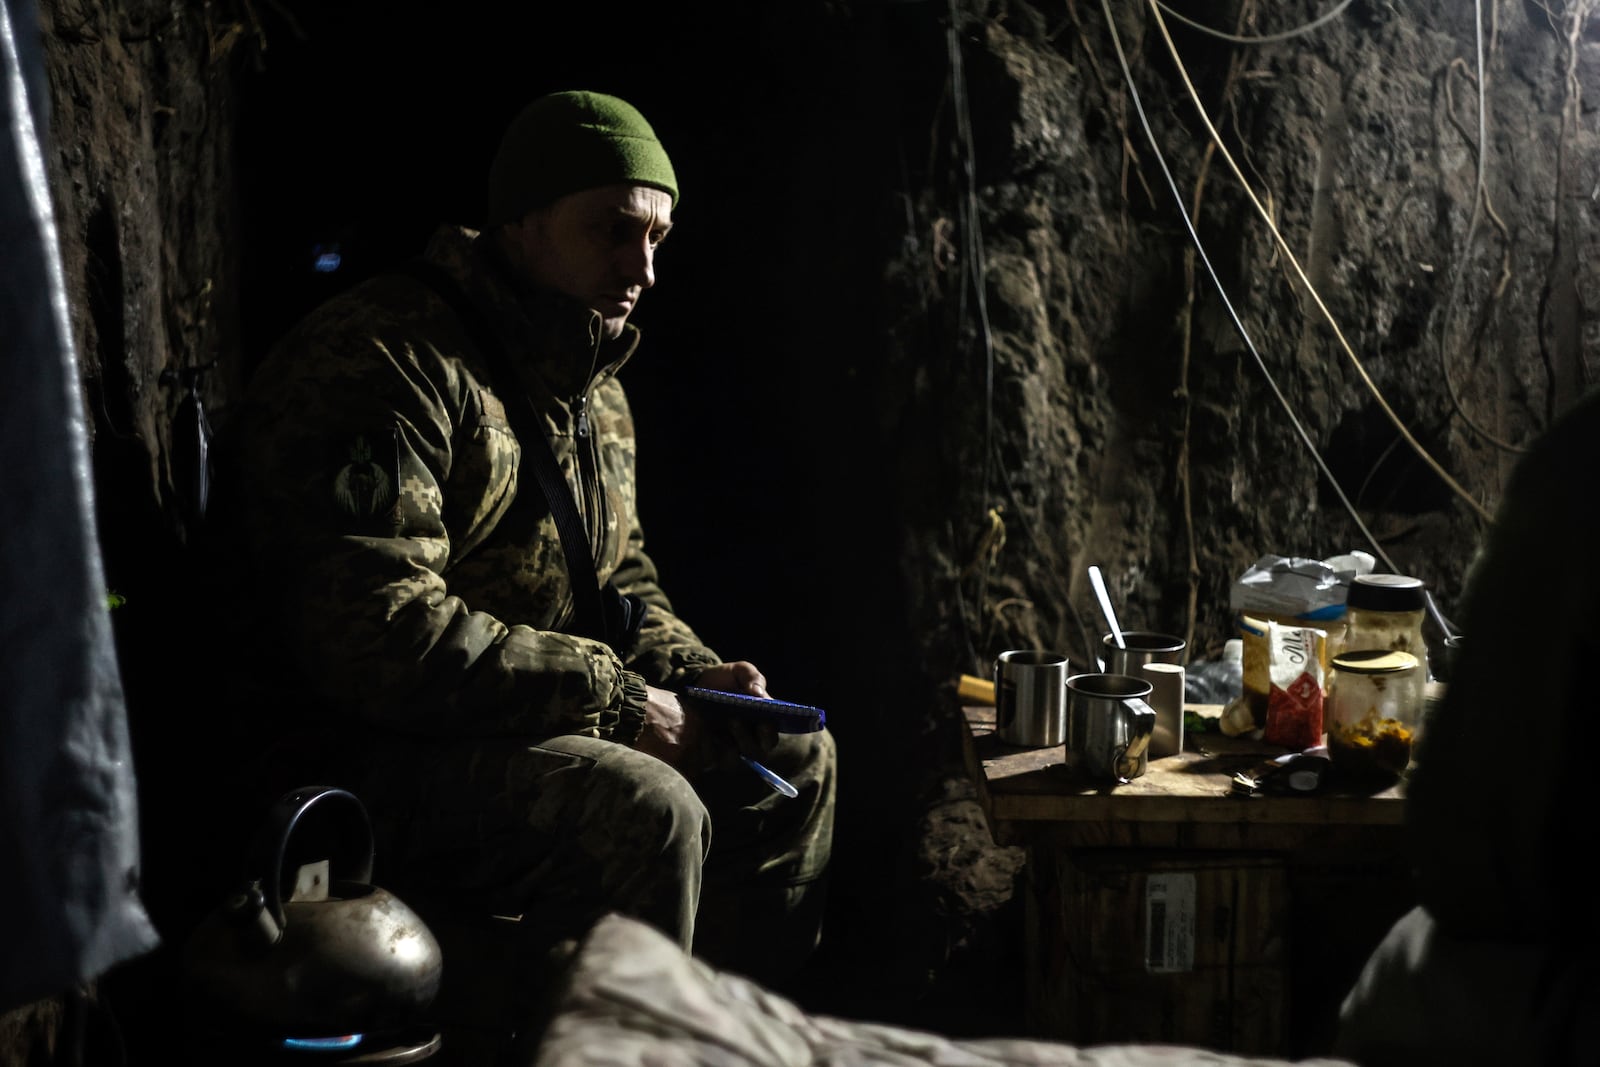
(1137, 946)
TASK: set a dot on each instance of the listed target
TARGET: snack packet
(1294, 702)
(1256, 668)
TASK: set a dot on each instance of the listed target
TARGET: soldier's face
(597, 246)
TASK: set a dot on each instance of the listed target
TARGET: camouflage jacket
(377, 474)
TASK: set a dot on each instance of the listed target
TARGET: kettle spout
(251, 920)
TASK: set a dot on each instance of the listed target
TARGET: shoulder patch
(364, 487)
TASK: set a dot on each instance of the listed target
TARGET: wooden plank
(1184, 800)
(1204, 964)
(1268, 970)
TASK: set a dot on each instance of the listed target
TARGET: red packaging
(1294, 715)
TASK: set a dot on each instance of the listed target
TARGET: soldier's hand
(740, 735)
(741, 676)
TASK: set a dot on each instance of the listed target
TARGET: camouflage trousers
(564, 831)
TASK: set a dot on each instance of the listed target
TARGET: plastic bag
(1288, 591)
(1296, 589)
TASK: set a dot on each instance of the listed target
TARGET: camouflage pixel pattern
(378, 476)
(394, 570)
(565, 831)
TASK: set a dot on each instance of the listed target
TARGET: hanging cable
(972, 236)
(974, 272)
(1288, 253)
(1480, 198)
(1314, 24)
(1222, 293)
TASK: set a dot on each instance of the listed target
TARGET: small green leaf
(115, 600)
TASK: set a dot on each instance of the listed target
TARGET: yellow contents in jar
(1370, 746)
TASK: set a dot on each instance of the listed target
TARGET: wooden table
(1171, 909)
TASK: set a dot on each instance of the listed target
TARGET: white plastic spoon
(1099, 584)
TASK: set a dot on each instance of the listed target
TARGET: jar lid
(1375, 661)
(1387, 592)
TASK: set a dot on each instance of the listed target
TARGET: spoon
(1105, 605)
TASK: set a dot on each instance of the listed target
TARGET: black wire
(1222, 294)
(1188, 224)
(975, 270)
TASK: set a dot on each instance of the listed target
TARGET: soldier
(1495, 964)
(500, 690)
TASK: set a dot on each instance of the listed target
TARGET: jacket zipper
(581, 404)
(589, 459)
(588, 472)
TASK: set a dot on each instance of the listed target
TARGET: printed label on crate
(1169, 922)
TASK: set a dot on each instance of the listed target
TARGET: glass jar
(1385, 611)
(1373, 711)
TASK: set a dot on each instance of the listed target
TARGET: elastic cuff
(689, 674)
(630, 715)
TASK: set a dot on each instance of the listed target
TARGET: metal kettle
(346, 957)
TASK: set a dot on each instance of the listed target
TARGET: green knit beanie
(568, 142)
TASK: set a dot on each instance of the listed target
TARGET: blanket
(633, 998)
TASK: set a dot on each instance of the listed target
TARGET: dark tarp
(69, 846)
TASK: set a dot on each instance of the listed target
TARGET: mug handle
(1141, 727)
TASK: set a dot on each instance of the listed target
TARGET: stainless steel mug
(1030, 697)
(1109, 725)
(1143, 646)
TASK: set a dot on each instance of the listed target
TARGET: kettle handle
(280, 824)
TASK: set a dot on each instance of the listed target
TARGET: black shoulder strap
(587, 602)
